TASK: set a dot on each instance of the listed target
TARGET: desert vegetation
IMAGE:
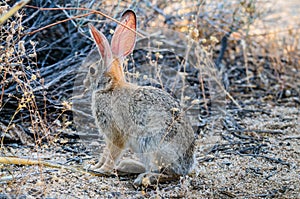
(233, 65)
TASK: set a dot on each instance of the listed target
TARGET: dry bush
(19, 78)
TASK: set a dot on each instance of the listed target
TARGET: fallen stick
(26, 161)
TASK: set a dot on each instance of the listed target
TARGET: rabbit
(144, 119)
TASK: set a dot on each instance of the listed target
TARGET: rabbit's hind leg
(130, 166)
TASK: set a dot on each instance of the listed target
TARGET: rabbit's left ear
(123, 40)
(102, 44)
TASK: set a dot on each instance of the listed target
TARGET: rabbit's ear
(123, 40)
(102, 44)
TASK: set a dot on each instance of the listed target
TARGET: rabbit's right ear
(102, 44)
(123, 40)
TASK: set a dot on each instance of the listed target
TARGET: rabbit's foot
(130, 166)
(104, 170)
(148, 179)
(96, 166)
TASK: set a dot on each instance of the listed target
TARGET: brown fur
(116, 73)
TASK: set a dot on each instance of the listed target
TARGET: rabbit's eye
(92, 70)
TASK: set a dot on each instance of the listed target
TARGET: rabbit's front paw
(104, 170)
(96, 166)
(103, 167)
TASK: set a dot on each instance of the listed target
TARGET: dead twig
(276, 160)
(91, 11)
(257, 131)
(58, 22)
(13, 10)
(26, 161)
(291, 137)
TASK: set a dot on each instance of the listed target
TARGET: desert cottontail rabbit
(147, 120)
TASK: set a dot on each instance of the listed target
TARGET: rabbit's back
(162, 129)
(153, 109)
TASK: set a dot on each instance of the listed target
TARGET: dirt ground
(248, 153)
(248, 164)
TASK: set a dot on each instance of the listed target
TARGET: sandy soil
(249, 164)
